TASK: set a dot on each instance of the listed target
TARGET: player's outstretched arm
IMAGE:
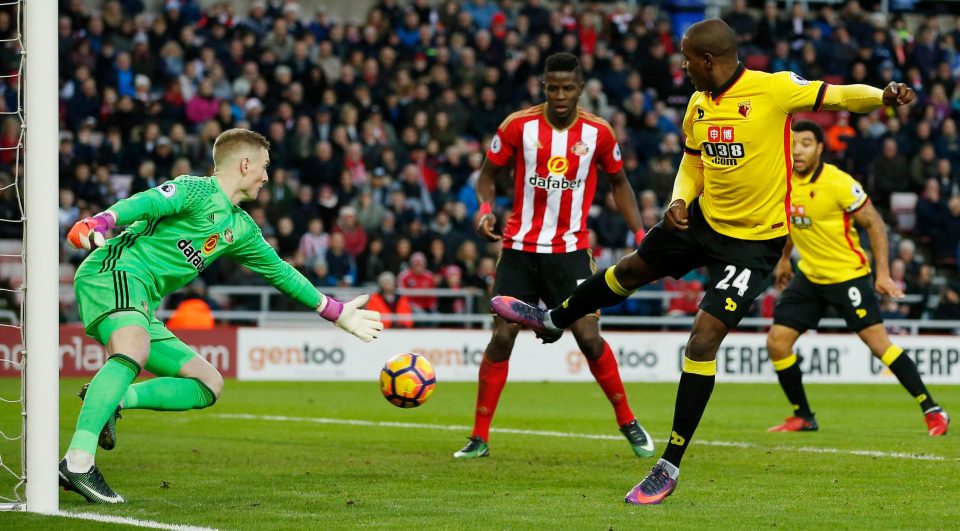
(365, 324)
(864, 98)
(262, 259)
(486, 193)
(868, 218)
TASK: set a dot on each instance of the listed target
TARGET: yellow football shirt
(822, 205)
(742, 134)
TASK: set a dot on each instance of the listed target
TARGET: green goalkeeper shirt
(178, 228)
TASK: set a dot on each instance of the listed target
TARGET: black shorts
(532, 277)
(803, 303)
(739, 269)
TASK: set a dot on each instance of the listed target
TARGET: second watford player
(825, 205)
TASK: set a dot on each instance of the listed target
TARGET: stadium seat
(904, 207)
(756, 61)
(823, 119)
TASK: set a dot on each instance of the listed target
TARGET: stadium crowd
(378, 127)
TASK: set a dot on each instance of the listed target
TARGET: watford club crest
(744, 108)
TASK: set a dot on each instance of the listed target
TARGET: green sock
(105, 391)
(169, 394)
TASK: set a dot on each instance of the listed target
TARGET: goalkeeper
(175, 231)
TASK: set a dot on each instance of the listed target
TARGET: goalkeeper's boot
(937, 421)
(640, 440)
(475, 447)
(521, 313)
(797, 424)
(108, 435)
(89, 484)
(659, 484)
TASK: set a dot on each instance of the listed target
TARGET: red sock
(607, 373)
(493, 376)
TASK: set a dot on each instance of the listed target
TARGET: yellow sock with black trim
(791, 381)
(693, 393)
(906, 372)
(601, 289)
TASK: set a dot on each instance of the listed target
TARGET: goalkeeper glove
(364, 324)
(88, 233)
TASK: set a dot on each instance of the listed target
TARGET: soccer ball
(407, 380)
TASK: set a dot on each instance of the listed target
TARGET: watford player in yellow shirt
(825, 203)
(729, 213)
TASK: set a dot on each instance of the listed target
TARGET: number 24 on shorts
(741, 282)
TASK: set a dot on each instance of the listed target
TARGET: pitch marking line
(130, 521)
(450, 427)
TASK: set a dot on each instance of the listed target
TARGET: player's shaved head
(236, 141)
(712, 36)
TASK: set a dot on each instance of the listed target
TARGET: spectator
(355, 237)
(923, 167)
(888, 174)
(418, 277)
(932, 212)
(907, 252)
(922, 285)
(287, 239)
(452, 278)
(372, 262)
(341, 266)
(203, 105)
(395, 310)
(315, 242)
(949, 307)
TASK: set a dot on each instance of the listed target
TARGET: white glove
(365, 324)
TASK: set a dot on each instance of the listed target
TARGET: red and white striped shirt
(555, 177)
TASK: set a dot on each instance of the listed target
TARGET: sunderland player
(834, 271)
(729, 212)
(554, 151)
(176, 230)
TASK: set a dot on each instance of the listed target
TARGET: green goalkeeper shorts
(115, 299)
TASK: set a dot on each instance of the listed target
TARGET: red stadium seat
(756, 61)
(823, 119)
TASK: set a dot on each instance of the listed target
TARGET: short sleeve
(609, 159)
(793, 93)
(849, 194)
(504, 143)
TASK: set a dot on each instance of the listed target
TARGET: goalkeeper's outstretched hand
(349, 316)
(89, 233)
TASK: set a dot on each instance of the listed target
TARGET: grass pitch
(221, 468)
